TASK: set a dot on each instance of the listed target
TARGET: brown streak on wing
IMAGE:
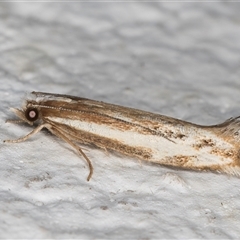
(204, 143)
(103, 142)
(225, 153)
(178, 160)
(90, 114)
(184, 162)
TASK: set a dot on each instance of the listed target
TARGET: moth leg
(56, 132)
(22, 139)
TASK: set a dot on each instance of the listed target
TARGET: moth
(135, 133)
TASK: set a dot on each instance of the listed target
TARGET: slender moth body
(147, 136)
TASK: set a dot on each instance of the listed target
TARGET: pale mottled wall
(179, 59)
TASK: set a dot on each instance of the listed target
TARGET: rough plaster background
(178, 59)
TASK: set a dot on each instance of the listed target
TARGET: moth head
(28, 115)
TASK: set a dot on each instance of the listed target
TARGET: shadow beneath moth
(145, 135)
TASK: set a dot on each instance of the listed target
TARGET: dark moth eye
(31, 114)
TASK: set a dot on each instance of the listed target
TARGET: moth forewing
(148, 136)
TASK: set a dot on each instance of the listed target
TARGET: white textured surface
(178, 59)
